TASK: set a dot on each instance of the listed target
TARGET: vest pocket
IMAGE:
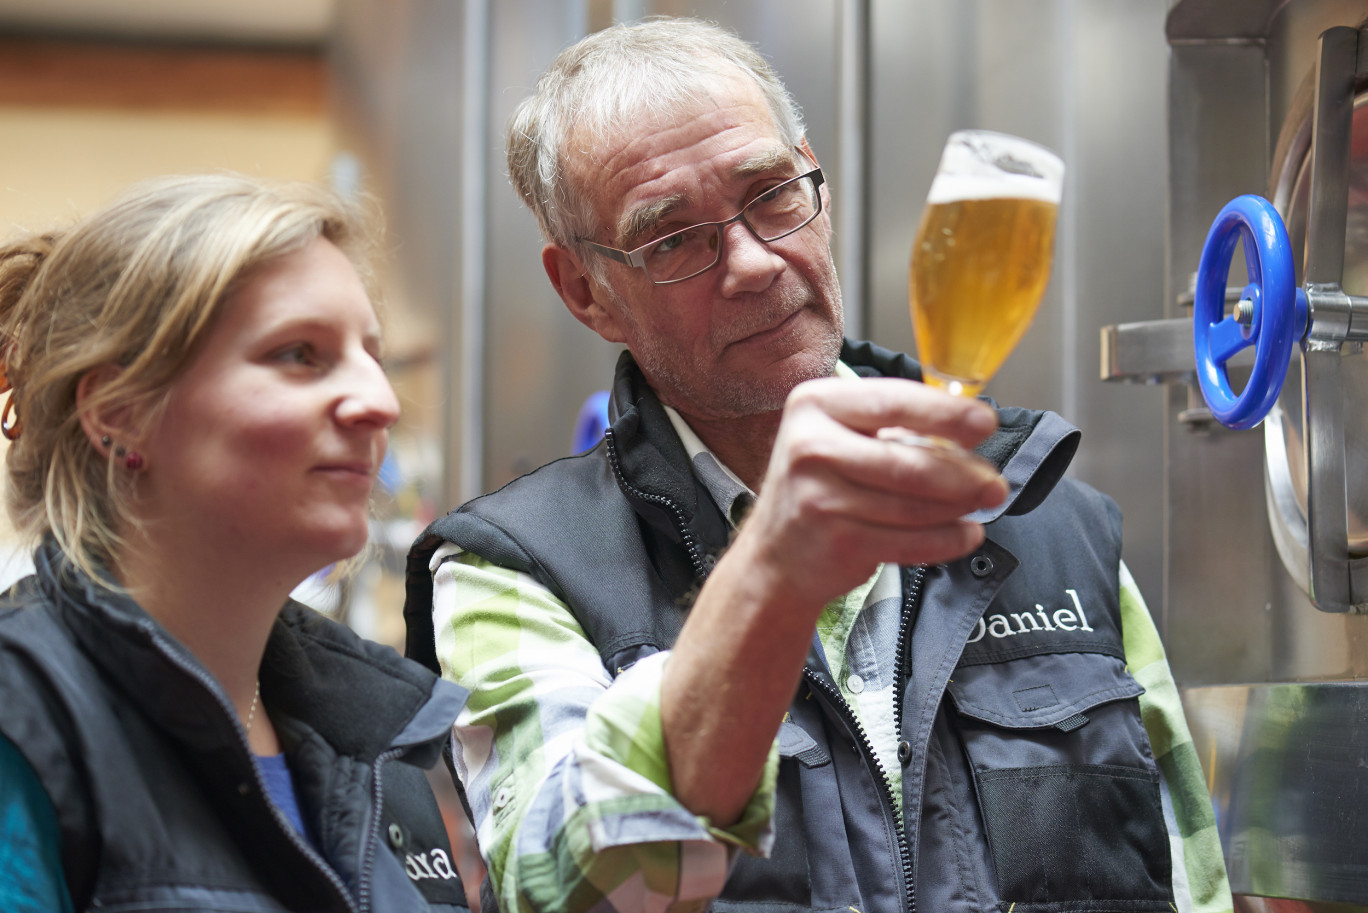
(1066, 783)
(1077, 837)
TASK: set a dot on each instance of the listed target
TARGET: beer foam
(986, 166)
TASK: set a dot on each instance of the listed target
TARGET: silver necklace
(251, 713)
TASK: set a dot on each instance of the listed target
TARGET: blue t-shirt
(31, 877)
(280, 787)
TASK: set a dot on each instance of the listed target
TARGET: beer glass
(982, 255)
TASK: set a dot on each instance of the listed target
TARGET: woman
(197, 413)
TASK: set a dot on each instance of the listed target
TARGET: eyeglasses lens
(778, 212)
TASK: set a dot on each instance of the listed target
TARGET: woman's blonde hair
(137, 285)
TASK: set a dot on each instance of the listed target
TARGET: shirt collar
(726, 488)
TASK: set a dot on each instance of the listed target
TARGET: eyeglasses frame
(637, 256)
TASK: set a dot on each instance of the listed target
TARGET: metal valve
(1270, 315)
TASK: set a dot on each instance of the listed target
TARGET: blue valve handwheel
(591, 422)
(1279, 310)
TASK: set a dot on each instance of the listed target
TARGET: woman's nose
(369, 397)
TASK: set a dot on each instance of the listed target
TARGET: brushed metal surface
(1232, 610)
(1287, 768)
(1218, 20)
(1323, 412)
(1275, 690)
(1160, 351)
(1220, 565)
(1151, 351)
(1086, 79)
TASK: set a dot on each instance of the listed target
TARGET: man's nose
(748, 264)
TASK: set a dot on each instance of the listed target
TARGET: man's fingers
(888, 512)
(942, 472)
(871, 404)
(938, 544)
(869, 471)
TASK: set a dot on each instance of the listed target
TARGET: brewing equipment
(1266, 557)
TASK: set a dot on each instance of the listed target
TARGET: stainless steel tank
(1266, 530)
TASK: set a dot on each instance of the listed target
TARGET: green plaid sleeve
(1199, 875)
(564, 765)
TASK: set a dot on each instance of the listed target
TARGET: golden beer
(979, 268)
(982, 255)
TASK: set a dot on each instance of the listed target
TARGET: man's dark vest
(159, 805)
(1032, 789)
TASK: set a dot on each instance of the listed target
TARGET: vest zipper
(911, 605)
(291, 834)
(838, 704)
(829, 691)
(373, 831)
(686, 535)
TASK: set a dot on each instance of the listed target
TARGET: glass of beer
(982, 255)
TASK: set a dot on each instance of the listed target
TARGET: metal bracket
(1158, 351)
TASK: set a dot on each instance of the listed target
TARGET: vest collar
(404, 707)
(1032, 449)
(652, 467)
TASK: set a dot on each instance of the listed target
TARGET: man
(755, 651)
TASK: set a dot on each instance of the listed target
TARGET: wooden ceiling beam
(43, 72)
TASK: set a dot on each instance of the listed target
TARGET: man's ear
(825, 192)
(108, 425)
(581, 294)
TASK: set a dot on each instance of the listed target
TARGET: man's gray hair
(607, 80)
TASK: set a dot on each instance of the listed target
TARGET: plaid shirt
(564, 764)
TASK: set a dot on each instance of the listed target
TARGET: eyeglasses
(777, 213)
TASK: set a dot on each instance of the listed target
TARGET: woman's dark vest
(159, 804)
(1028, 783)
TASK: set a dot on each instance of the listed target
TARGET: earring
(131, 458)
(10, 425)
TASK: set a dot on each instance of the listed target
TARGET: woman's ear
(106, 424)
